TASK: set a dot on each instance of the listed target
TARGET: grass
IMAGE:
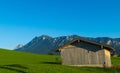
(20, 62)
(116, 61)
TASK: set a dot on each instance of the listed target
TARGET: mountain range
(45, 44)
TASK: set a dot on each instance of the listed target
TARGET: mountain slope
(46, 44)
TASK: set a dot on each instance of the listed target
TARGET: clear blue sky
(22, 20)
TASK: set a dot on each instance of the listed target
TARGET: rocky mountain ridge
(45, 44)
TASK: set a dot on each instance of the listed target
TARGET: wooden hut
(82, 52)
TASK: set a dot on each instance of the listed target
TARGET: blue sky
(22, 20)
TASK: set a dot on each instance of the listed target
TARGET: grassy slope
(19, 62)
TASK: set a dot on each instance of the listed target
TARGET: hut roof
(87, 41)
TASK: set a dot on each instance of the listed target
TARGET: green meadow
(20, 62)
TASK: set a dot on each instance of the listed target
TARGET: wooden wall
(84, 54)
(107, 58)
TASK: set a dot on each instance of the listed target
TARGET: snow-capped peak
(44, 38)
(109, 42)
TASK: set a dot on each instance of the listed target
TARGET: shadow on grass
(17, 65)
(13, 67)
(51, 63)
(116, 68)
